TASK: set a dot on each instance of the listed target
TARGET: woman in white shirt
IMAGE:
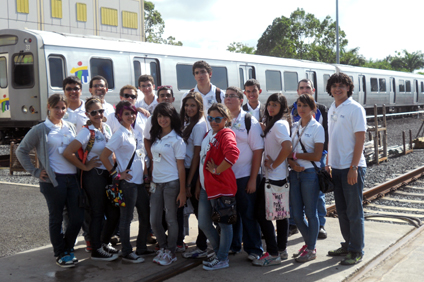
(126, 144)
(194, 131)
(304, 189)
(168, 192)
(277, 148)
(58, 177)
(94, 179)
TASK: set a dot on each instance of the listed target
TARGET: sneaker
(293, 230)
(181, 248)
(233, 253)
(322, 234)
(65, 260)
(115, 240)
(307, 255)
(132, 258)
(253, 256)
(74, 259)
(196, 253)
(102, 255)
(167, 258)
(266, 260)
(338, 252)
(108, 248)
(352, 258)
(217, 265)
(151, 240)
(210, 259)
(88, 248)
(295, 255)
(159, 255)
(284, 254)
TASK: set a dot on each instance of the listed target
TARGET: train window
(374, 85)
(326, 78)
(103, 67)
(351, 78)
(382, 84)
(290, 81)
(408, 86)
(137, 72)
(422, 87)
(3, 72)
(251, 73)
(219, 77)
(56, 69)
(241, 77)
(8, 40)
(23, 70)
(154, 71)
(401, 85)
(185, 77)
(273, 80)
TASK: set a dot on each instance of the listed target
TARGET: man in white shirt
(72, 88)
(147, 105)
(99, 88)
(252, 89)
(202, 72)
(249, 141)
(346, 136)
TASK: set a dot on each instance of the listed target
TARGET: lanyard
(297, 133)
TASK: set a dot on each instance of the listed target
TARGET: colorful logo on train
(4, 105)
(81, 72)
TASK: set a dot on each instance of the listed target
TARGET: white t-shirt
(166, 152)
(254, 112)
(314, 133)
(147, 127)
(246, 143)
(100, 140)
(58, 139)
(108, 109)
(114, 124)
(208, 99)
(123, 143)
(203, 151)
(77, 117)
(142, 104)
(195, 139)
(279, 133)
(343, 122)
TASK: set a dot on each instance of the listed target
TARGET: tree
(154, 26)
(409, 62)
(239, 47)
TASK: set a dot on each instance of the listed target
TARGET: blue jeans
(67, 193)
(143, 209)
(304, 190)
(246, 228)
(349, 208)
(165, 199)
(220, 243)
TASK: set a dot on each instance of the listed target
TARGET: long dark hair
(191, 122)
(165, 109)
(282, 114)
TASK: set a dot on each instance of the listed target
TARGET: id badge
(152, 187)
(157, 157)
(61, 149)
(140, 153)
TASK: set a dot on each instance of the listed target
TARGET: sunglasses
(230, 96)
(130, 96)
(165, 86)
(69, 89)
(94, 113)
(215, 119)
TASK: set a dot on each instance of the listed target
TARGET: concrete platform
(39, 264)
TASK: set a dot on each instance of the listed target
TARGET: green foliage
(407, 63)
(154, 26)
(239, 47)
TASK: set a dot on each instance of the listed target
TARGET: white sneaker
(159, 255)
(132, 258)
(217, 265)
(167, 258)
(196, 253)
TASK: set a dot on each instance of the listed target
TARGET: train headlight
(24, 109)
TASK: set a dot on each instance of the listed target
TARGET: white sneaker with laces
(167, 258)
(159, 255)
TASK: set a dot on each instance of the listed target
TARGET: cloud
(186, 10)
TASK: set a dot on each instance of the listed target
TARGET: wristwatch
(354, 167)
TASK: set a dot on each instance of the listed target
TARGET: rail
(397, 114)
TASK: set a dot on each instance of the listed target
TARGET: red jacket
(223, 147)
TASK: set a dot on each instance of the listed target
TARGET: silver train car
(33, 64)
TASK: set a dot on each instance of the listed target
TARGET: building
(109, 18)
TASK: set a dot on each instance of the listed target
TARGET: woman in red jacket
(216, 179)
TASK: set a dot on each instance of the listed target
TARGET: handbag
(113, 191)
(325, 180)
(276, 199)
(224, 210)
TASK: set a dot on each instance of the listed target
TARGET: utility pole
(337, 33)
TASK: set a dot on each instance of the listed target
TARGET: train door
(392, 92)
(146, 66)
(313, 77)
(362, 93)
(246, 72)
(416, 90)
(4, 87)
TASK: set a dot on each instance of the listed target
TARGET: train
(33, 64)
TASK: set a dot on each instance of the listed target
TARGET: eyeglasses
(99, 86)
(167, 95)
(164, 86)
(130, 96)
(230, 96)
(94, 113)
(200, 72)
(69, 89)
(215, 119)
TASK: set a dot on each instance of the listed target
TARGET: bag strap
(304, 150)
(248, 121)
(132, 158)
(218, 95)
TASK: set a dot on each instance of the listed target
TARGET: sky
(377, 27)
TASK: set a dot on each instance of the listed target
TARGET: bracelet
(294, 156)
(214, 171)
(112, 172)
(117, 176)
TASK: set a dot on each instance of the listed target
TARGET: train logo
(81, 72)
(4, 105)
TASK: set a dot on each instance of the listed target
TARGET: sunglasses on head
(130, 96)
(94, 113)
(215, 119)
(165, 86)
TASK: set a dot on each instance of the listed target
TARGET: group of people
(212, 147)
